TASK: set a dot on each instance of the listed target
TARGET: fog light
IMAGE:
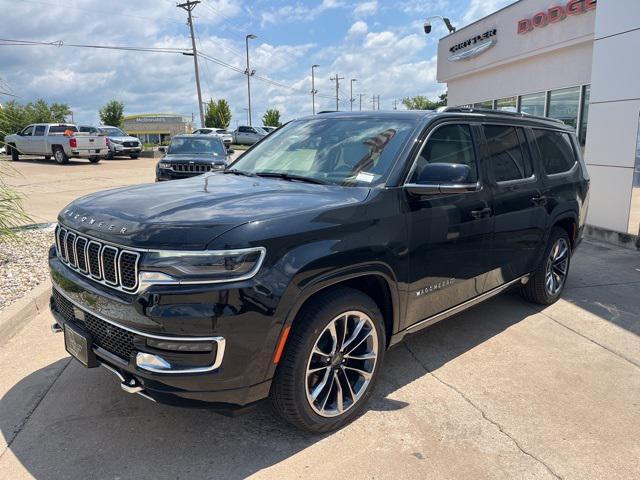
(152, 362)
(190, 347)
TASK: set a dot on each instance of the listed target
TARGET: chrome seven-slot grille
(108, 336)
(195, 168)
(103, 263)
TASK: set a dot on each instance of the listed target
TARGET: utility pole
(395, 103)
(378, 102)
(351, 99)
(361, 95)
(188, 7)
(337, 80)
(373, 102)
(313, 89)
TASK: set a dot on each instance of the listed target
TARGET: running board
(427, 322)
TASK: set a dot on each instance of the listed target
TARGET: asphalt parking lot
(48, 187)
(504, 390)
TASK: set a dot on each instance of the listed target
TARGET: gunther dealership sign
(474, 46)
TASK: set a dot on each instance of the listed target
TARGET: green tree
(112, 113)
(218, 114)
(60, 112)
(271, 118)
(420, 102)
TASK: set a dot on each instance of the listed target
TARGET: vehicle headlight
(119, 142)
(164, 165)
(211, 266)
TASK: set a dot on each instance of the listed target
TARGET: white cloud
(357, 29)
(298, 12)
(481, 8)
(365, 9)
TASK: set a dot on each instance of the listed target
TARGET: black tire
(289, 388)
(94, 159)
(109, 156)
(15, 156)
(134, 155)
(537, 289)
(47, 157)
(60, 156)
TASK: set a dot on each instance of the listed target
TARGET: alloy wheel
(557, 267)
(341, 364)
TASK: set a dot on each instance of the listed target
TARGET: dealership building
(573, 60)
(157, 128)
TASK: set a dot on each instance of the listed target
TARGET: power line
(60, 43)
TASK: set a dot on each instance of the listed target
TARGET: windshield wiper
(292, 177)
(235, 171)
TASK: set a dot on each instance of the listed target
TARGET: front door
(518, 203)
(450, 234)
(23, 141)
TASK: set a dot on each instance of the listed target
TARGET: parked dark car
(191, 155)
(290, 273)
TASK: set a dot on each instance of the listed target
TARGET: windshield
(349, 151)
(204, 146)
(113, 132)
(221, 131)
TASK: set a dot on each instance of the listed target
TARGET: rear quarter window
(556, 150)
(508, 155)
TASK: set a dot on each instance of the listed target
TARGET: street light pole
(351, 99)
(249, 72)
(313, 89)
(337, 79)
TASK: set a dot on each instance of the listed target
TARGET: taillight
(108, 142)
(73, 143)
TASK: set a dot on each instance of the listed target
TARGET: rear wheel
(15, 156)
(94, 159)
(134, 155)
(547, 283)
(60, 156)
(331, 361)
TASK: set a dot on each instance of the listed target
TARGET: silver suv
(121, 144)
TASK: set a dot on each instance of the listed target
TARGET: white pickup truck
(61, 141)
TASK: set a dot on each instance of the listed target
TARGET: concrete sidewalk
(505, 390)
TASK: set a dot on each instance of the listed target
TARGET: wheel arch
(568, 221)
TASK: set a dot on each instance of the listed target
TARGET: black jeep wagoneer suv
(288, 274)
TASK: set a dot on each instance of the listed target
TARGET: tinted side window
(448, 144)
(27, 131)
(505, 154)
(556, 150)
(39, 131)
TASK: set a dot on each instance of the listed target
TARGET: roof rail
(505, 113)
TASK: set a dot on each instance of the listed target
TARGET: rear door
(518, 203)
(38, 144)
(449, 233)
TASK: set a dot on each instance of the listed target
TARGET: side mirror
(162, 149)
(436, 178)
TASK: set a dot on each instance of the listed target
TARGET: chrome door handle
(539, 201)
(484, 213)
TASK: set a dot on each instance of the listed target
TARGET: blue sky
(380, 43)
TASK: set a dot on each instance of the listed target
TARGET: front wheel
(547, 283)
(331, 361)
(133, 156)
(15, 156)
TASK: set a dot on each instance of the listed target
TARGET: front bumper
(117, 148)
(233, 374)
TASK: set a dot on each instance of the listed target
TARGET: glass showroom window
(488, 105)
(564, 105)
(508, 103)
(582, 132)
(533, 104)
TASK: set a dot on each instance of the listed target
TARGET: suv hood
(189, 214)
(125, 139)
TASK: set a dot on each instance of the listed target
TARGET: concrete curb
(21, 312)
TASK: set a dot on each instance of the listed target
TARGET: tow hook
(56, 328)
